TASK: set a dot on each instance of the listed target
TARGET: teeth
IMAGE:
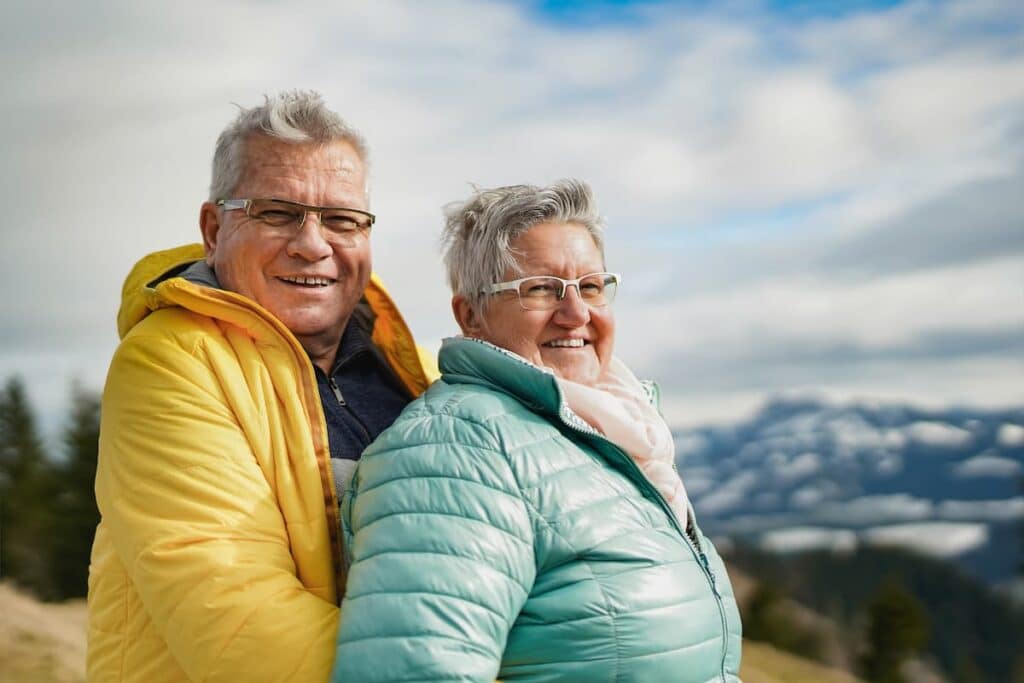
(311, 281)
(570, 343)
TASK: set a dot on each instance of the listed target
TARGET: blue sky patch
(587, 13)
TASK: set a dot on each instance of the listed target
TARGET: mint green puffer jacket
(492, 535)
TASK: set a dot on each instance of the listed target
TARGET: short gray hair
(478, 232)
(294, 116)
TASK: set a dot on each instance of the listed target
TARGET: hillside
(968, 623)
(39, 642)
(762, 663)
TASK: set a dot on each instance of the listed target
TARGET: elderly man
(251, 374)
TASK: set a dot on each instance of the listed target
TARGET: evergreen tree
(75, 504)
(1020, 535)
(760, 612)
(897, 629)
(26, 493)
(967, 670)
(768, 616)
(1017, 676)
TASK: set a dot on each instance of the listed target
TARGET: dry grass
(764, 664)
(40, 643)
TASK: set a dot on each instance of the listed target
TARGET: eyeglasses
(543, 292)
(282, 218)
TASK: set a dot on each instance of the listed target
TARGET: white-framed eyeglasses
(544, 292)
(283, 218)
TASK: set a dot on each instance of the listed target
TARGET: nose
(572, 311)
(308, 242)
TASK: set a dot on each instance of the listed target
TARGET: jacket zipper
(348, 409)
(718, 597)
(698, 553)
(691, 543)
(337, 391)
(581, 426)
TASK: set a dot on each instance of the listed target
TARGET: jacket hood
(178, 277)
(137, 294)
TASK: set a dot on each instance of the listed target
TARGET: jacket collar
(464, 360)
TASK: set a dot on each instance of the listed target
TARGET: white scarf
(617, 406)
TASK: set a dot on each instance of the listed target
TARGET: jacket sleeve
(198, 527)
(443, 556)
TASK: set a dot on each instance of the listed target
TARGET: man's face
(309, 283)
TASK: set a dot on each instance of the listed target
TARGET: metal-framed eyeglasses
(544, 292)
(283, 218)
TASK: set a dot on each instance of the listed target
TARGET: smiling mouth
(308, 281)
(566, 343)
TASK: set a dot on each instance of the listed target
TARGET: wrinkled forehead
(323, 174)
(554, 248)
(336, 157)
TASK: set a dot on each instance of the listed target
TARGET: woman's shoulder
(468, 401)
(449, 433)
(454, 415)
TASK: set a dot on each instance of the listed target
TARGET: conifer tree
(75, 504)
(1020, 536)
(967, 670)
(897, 630)
(26, 493)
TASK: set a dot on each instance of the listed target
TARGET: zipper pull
(337, 391)
(711, 574)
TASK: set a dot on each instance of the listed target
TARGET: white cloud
(938, 434)
(807, 496)
(800, 467)
(987, 465)
(807, 312)
(729, 495)
(982, 510)
(855, 433)
(1010, 435)
(800, 539)
(888, 465)
(718, 501)
(875, 510)
(698, 486)
(938, 539)
(682, 123)
(688, 443)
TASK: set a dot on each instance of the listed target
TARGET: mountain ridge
(805, 473)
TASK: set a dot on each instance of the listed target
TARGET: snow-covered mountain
(807, 474)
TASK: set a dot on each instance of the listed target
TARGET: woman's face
(574, 339)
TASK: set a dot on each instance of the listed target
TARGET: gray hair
(293, 116)
(478, 232)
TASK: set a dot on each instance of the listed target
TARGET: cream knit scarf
(617, 406)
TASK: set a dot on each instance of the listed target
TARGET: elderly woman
(522, 520)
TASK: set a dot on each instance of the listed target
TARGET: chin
(579, 375)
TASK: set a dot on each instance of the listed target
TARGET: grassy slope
(764, 664)
(40, 643)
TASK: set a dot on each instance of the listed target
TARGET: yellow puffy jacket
(218, 556)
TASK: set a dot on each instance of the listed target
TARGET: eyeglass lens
(339, 225)
(538, 293)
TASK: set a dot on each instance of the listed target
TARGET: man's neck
(323, 349)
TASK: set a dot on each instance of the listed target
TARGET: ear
(469, 320)
(209, 226)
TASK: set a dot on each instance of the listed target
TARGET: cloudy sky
(798, 200)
